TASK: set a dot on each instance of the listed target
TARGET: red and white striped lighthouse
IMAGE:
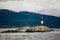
(42, 21)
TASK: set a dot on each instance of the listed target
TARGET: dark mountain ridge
(24, 18)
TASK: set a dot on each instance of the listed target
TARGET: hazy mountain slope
(25, 18)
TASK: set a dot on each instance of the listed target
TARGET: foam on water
(31, 36)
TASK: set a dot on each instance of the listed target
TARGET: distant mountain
(18, 19)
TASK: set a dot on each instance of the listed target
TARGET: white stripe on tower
(42, 22)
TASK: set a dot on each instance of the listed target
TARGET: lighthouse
(42, 21)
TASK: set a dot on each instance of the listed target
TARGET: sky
(47, 7)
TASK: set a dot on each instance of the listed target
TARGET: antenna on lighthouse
(42, 21)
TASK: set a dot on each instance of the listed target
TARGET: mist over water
(31, 36)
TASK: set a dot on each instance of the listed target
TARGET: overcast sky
(48, 7)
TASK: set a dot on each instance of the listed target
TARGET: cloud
(4, 0)
(9, 0)
(48, 7)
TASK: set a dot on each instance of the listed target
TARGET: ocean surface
(53, 35)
